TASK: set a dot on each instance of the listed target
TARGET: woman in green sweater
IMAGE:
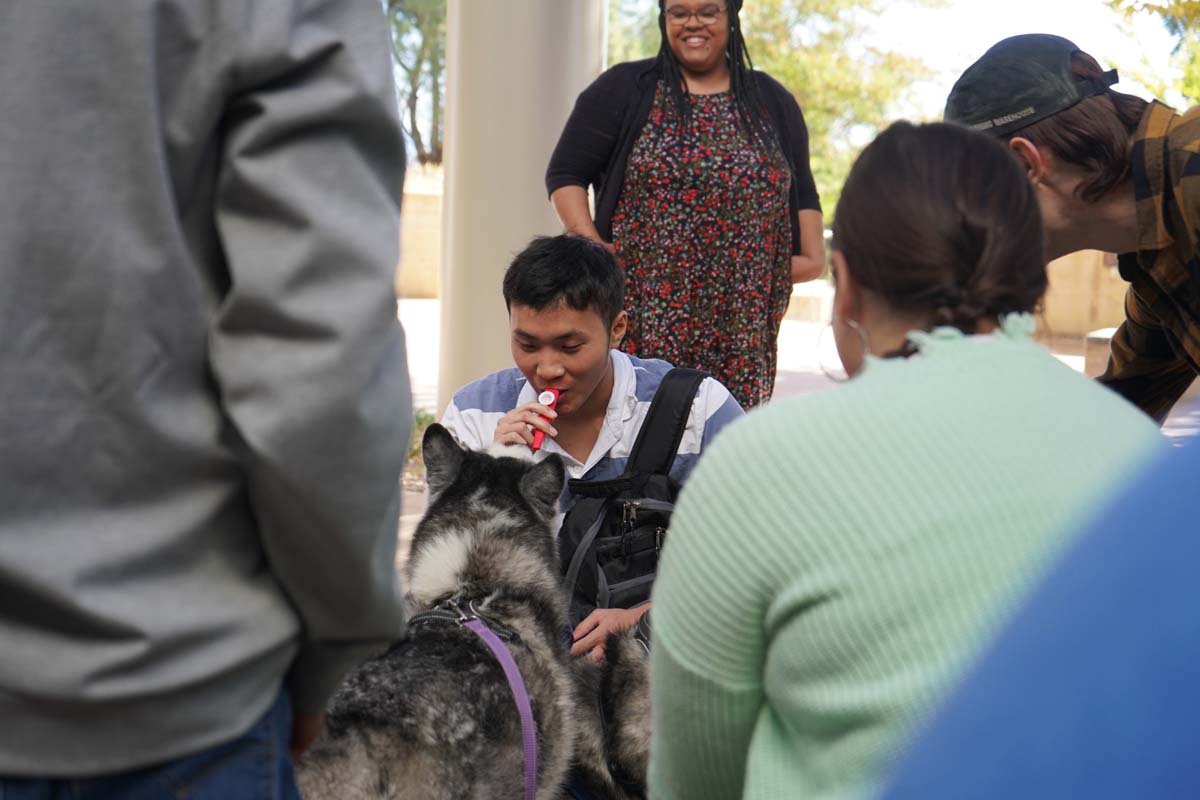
(837, 559)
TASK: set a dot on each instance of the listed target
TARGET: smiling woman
(704, 191)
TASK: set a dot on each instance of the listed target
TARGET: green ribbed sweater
(836, 559)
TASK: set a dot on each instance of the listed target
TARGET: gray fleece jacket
(204, 405)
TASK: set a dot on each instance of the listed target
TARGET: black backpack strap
(662, 429)
(606, 488)
(581, 550)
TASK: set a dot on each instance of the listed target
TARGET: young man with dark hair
(564, 296)
(1112, 172)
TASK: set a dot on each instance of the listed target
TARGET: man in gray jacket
(204, 406)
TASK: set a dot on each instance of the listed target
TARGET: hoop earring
(862, 334)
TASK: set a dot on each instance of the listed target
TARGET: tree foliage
(1179, 14)
(419, 50)
(847, 88)
(1182, 20)
(819, 49)
(632, 30)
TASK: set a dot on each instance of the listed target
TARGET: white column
(513, 70)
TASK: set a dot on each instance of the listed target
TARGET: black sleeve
(793, 134)
(802, 175)
(592, 131)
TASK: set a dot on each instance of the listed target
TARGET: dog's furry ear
(442, 456)
(542, 485)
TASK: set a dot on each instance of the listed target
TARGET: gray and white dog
(433, 718)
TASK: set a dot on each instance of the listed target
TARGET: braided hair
(962, 243)
(750, 107)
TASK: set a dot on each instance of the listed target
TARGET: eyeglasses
(708, 15)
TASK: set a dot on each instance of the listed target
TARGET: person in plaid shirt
(1112, 172)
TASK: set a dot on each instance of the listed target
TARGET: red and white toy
(548, 398)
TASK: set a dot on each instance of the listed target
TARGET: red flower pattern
(702, 230)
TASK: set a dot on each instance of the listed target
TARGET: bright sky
(949, 39)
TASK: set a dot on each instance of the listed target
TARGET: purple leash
(520, 696)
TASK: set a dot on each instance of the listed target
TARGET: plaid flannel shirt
(1156, 351)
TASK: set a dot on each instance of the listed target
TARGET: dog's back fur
(434, 716)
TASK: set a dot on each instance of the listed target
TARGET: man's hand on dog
(591, 634)
(517, 426)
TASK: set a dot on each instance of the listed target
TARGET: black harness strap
(662, 430)
(658, 439)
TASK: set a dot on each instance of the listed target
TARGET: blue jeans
(255, 766)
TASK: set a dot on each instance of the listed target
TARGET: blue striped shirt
(476, 409)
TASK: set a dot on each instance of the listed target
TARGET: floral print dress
(702, 230)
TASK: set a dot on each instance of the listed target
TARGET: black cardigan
(608, 119)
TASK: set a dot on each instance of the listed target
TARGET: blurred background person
(1091, 691)
(206, 406)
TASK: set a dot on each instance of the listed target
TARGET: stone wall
(420, 234)
(1086, 293)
